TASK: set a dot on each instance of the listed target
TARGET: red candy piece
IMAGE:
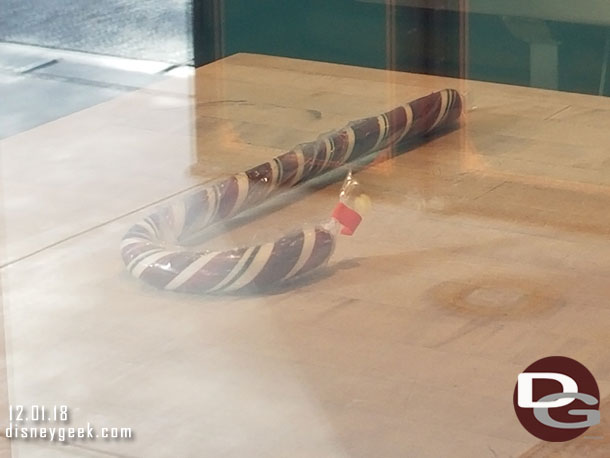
(349, 219)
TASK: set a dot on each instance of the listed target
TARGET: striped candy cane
(151, 248)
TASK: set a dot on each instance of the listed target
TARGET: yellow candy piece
(362, 204)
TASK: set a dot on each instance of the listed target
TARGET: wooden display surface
(480, 243)
(485, 250)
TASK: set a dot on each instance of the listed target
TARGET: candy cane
(151, 249)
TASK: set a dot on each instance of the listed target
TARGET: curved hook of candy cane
(152, 249)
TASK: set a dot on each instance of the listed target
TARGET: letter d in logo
(525, 389)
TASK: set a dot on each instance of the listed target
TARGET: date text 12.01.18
(38, 413)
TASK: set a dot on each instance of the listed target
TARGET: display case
(348, 230)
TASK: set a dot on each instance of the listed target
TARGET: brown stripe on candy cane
(210, 270)
(309, 151)
(340, 146)
(321, 154)
(284, 256)
(139, 231)
(290, 167)
(162, 271)
(234, 280)
(259, 178)
(366, 132)
(425, 112)
(197, 212)
(322, 250)
(136, 249)
(229, 192)
(397, 120)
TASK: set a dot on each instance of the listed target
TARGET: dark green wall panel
(415, 39)
(344, 31)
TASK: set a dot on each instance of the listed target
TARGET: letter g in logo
(556, 399)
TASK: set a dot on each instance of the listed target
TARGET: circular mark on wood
(496, 297)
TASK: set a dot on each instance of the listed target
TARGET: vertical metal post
(208, 43)
(463, 39)
(604, 71)
(390, 34)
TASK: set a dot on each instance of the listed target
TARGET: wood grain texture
(485, 250)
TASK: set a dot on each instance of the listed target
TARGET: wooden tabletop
(485, 250)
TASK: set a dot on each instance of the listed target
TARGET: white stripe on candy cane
(235, 271)
(443, 110)
(280, 170)
(212, 199)
(408, 122)
(148, 226)
(449, 96)
(309, 240)
(243, 184)
(351, 141)
(329, 151)
(449, 104)
(132, 240)
(383, 124)
(147, 261)
(275, 175)
(189, 271)
(138, 258)
(156, 230)
(255, 267)
(300, 165)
